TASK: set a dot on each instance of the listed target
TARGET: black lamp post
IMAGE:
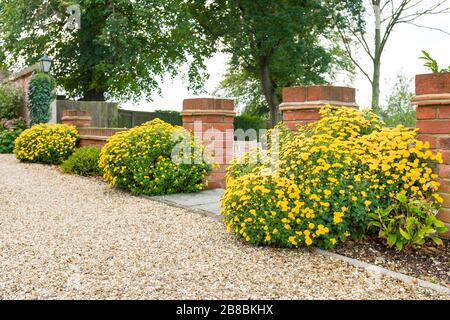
(45, 63)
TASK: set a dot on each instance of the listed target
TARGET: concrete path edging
(377, 269)
(193, 209)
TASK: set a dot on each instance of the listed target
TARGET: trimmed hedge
(172, 117)
(130, 119)
(246, 122)
(84, 162)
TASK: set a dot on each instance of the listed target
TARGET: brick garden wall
(22, 79)
(89, 136)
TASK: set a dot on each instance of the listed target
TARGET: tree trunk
(93, 95)
(269, 90)
(376, 86)
(376, 59)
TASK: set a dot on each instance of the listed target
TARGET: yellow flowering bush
(140, 160)
(329, 177)
(46, 143)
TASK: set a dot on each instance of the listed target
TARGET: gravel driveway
(64, 237)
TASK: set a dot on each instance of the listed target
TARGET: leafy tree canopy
(278, 43)
(246, 91)
(121, 49)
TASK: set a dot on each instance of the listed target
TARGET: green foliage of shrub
(169, 116)
(399, 110)
(140, 160)
(46, 143)
(40, 96)
(407, 223)
(246, 122)
(9, 131)
(130, 119)
(10, 102)
(84, 162)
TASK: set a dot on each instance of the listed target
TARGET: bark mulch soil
(429, 263)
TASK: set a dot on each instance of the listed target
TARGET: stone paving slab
(208, 200)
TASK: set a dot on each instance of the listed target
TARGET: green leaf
(430, 62)
(375, 224)
(438, 223)
(404, 234)
(427, 230)
(399, 245)
(417, 240)
(410, 222)
(401, 198)
(392, 238)
(437, 240)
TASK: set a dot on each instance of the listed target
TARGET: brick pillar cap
(312, 97)
(432, 89)
(208, 104)
(431, 99)
(433, 83)
(76, 113)
(315, 93)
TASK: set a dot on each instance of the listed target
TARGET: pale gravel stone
(68, 237)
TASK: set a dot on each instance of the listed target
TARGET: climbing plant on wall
(40, 95)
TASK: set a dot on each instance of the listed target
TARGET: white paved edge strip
(205, 213)
(369, 267)
(396, 275)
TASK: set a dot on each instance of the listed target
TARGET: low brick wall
(103, 114)
(96, 136)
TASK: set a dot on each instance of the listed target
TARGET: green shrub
(399, 109)
(10, 102)
(84, 161)
(46, 143)
(130, 119)
(140, 160)
(246, 122)
(329, 178)
(407, 223)
(40, 96)
(169, 116)
(9, 131)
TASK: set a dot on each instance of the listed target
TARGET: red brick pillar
(211, 120)
(433, 120)
(302, 104)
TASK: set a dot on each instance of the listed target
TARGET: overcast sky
(400, 56)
